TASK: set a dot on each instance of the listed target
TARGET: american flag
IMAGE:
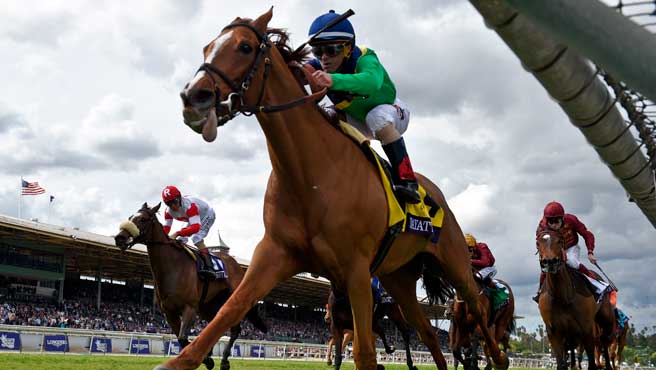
(31, 188)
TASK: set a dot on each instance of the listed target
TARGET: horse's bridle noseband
(239, 90)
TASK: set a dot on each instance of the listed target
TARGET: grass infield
(13, 361)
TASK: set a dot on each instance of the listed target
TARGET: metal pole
(603, 35)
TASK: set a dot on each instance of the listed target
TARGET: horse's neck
(161, 255)
(560, 285)
(299, 141)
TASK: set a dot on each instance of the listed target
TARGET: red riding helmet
(554, 209)
(169, 193)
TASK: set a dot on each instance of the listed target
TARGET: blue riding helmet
(342, 31)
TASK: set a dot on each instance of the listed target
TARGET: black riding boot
(207, 270)
(405, 182)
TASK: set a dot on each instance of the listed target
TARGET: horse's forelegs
(339, 347)
(359, 292)
(187, 320)
(271, 264)
(234, 334)
(402, 288)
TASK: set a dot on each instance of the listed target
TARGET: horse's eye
(245, 48)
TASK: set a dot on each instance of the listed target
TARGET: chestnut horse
(567, 306)
(464, 332)
(339, 309)
(177, 286)
(617, 344)
(325, 209)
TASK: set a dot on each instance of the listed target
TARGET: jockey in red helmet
(555, 218)
(199, 217)
(359, 86)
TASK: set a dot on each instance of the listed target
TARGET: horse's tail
(439, 290)
(255, 319)
(512, 326)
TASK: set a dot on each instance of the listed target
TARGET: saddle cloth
(217, 263)
(500, 296)
(423, 218)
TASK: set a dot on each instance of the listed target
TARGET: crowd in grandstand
(123, 309)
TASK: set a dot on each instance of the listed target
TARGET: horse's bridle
(551, 268)
(147, 230)
(239, 90)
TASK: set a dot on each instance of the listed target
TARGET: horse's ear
(156, 208)
(144, 206)
(262, 21)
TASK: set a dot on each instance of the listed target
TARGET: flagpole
(20, 197)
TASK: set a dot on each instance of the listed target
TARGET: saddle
(599, 288)
(217, 267)
(424, 218)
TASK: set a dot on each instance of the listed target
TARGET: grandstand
(100, 287)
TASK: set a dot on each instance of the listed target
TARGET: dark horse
(568, 308)
(177, 285)
(325, 209)
(464, 333)
(339, 308)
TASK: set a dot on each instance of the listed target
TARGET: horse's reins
(239, 90)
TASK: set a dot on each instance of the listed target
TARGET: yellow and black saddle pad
(423, 218)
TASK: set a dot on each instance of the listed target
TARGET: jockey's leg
(536, 297)
(388, 122)
(205, 254)
(405, 182)
(584, 270)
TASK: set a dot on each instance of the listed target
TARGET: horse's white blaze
(217, 45)
(546, 236)
(210, 57)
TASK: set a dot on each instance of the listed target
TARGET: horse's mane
(281, 40)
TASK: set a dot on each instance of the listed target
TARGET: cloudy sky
(89, 108)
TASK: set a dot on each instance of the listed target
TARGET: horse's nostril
(201, 98)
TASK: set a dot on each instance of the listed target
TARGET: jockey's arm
(580, 228)
(194, 222)
(168, 222)
(367, 79)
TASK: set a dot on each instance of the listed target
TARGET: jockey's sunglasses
(329, 50)
(553, 220)
(171, 202)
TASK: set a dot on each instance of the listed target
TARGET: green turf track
(99, 362)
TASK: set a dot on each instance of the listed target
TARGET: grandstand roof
(88, 253)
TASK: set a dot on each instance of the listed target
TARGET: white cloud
(90, 109)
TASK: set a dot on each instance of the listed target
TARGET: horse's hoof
(415, 368)
(225, 365)
(209, 363)
(329, 362)
(503, 365)
(380, 367)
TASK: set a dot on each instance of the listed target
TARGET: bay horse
(464, 332)
(325, 209)
(339, 308)
(178, 288)
(617, 344)
(567, 306)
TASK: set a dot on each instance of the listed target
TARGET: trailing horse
(464, 332)
(567, 306)
(180, 292)
(339, 309)
(325, 208)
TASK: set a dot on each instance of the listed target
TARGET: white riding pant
(205, 226)
(573, 261)
(490, 271)
(396, 114)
